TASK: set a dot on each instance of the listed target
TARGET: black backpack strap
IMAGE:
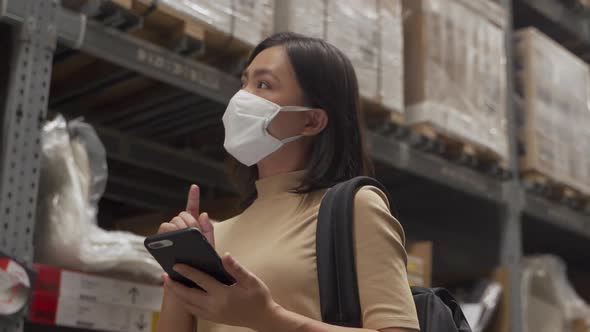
(458, 317)
(339, 296)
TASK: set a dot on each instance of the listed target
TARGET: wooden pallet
(430, 138)
(160, 25)
(556, 190)
(382, 119)
(168, 27)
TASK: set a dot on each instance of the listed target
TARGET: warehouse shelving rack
(489, 222)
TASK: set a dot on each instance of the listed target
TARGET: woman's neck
(289, 158)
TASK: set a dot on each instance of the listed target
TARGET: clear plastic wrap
(306, 17)
(456, 64)
(550, 302)
(554, 85)
(353, 28)
(391, 50)
(73, 178)
(480, 302)
(246, 20)
(369, 32)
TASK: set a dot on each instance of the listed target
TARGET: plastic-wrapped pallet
(369, 32)
(554, 85)
(306, 17)
(246, 20)
(550, 302)
(391, 66)
(73, 179)
(454, 50)
(353, 27)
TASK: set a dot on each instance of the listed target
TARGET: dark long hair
(329, 82)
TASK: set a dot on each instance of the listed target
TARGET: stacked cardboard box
(391, 55)
(369, 32)
(420, 263)
(74, 299)
(554, 85)
(455, 52)
(249, 21)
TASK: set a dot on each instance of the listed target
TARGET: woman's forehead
(273, 59)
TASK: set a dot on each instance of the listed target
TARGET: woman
(294, 129)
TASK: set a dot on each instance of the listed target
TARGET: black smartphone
(190, 247)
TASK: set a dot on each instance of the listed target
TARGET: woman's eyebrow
(260, 72)
(264, 71)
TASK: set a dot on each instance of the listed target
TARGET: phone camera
(160, 244)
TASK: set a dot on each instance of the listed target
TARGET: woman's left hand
(247, 303)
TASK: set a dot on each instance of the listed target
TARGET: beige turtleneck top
(275, 239)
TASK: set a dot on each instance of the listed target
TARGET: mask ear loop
(268, 120)
(286, 109)
(291, 139)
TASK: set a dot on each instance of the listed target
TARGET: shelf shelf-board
(558, 215)
(402, 156)
(91, 37)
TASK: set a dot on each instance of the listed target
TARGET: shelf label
(183, 69)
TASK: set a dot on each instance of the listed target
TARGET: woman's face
(271, 76)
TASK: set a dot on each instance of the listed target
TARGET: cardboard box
(74, 299)
(253, 19)
(369, 32)
(455, 52)
(554, 84)
(353, 28)
(501, 321)
(306, 17)
(580, 325)
(249, 21)
(53, 281)
(420, 263)
(391, 66)
(81, 313)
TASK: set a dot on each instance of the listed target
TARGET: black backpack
(437, 310)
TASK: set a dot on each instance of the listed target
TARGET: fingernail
(231, 258)
(176, 268)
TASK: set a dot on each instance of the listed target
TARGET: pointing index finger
(193, 201)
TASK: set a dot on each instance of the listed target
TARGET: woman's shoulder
(371, 196)
(372, 215)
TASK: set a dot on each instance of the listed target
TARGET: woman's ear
(316, 120)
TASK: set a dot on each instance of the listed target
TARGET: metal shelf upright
(24, 111)
(511, 251)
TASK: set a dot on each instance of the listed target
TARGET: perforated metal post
(511, 230)
(22, 118)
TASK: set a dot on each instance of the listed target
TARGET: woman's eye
(263, 85)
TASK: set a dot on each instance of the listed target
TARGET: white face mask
(246, 120)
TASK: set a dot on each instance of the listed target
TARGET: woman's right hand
(174, 316)
(191, 217)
